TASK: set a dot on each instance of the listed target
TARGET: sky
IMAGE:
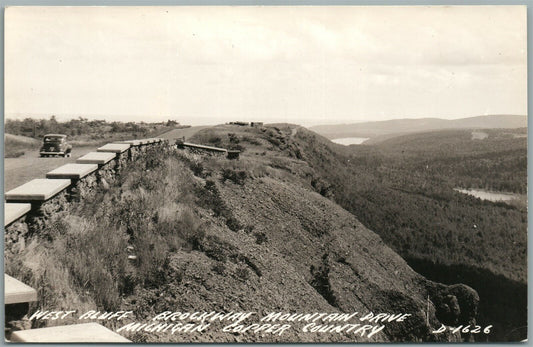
(305, 65)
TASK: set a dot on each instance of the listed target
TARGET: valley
(319, 227)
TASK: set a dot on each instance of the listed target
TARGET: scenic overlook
(265, 174)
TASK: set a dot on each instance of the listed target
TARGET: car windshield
(53, 139)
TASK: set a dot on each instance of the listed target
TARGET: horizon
(307, 65)
(95, 118)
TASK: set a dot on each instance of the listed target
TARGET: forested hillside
(403, 190)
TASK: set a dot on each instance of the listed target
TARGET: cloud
(222, 62)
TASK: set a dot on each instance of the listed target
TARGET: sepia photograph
(265, 174)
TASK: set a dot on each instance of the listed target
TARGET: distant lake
(488, 195)
(346, 141)
(479, 135)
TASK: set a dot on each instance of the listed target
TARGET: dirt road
(18, 171)
(179, 133)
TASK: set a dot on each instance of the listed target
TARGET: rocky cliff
(249, 235)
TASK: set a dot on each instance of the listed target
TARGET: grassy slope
(210, 234)
(16, 145)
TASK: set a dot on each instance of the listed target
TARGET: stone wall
(48, 200)
(210, 150)
(29, 208)
(35, 204)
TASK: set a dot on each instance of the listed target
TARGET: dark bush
(235, 147)
(233, 224)
(216, 248)
(219, 268)
(197, 168)
(242, 273)
(260, 238)
(233, 138)
(236, 176)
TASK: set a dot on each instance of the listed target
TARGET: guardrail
(231, 154)
(27, 209)
(38, 196)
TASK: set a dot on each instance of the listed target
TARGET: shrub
(242, 273)
(236, 147)
(233, 224)
(153, 159)
(260, 238)
(219, 268)
(194, 162)
(233, 138)
(236, 176)
(208, 137)
(197, 168)
(216, 248)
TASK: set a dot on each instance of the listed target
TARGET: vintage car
(55, 144)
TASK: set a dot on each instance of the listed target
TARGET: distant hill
(403, 126)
